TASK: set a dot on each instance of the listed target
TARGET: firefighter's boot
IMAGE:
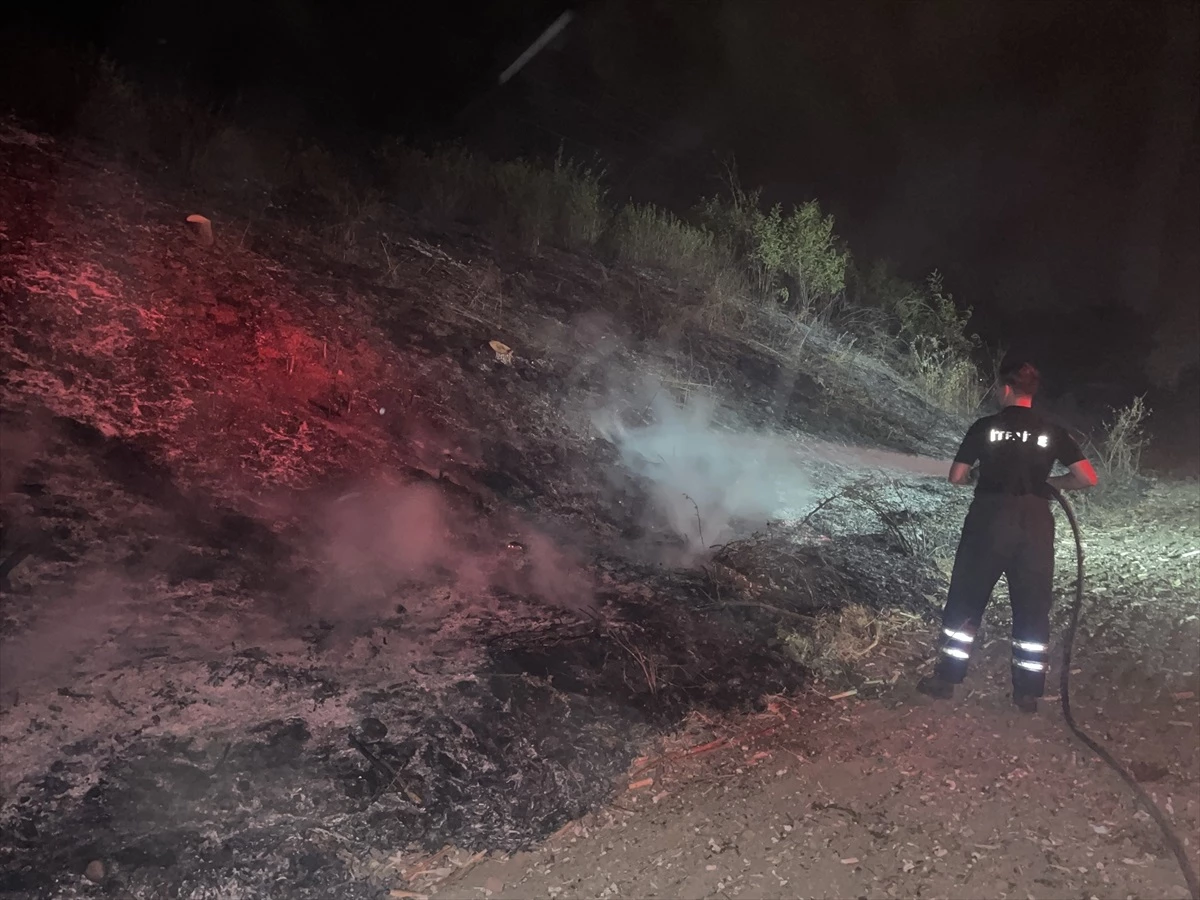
(936, 687)
(1026, 703)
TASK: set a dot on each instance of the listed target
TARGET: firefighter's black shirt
(1016, 449)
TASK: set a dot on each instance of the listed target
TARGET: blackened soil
(493, 756)
(497, 759)
(496, 755)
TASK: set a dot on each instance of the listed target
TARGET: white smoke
(709, 482)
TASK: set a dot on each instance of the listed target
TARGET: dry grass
(647, 235)
(836, 642)
(947, 378)
(523, 201)
(1124, 441)
(1117, 455)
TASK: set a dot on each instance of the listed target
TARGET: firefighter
(1009, 530)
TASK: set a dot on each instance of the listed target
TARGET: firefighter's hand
(973, 475)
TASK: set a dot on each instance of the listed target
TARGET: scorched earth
(314, 593)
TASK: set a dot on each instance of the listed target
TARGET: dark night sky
(1042, 154)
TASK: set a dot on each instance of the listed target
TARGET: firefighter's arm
(962, 470)
(1081, 475)
(961, 473)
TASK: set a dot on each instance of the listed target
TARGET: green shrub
(441, 185)
(1116, 451)
(115, 113)
(315, 171)
(791, 258)
(160, 126)
(924, 331)
(931, 313)
(767, 275)
(45, 81)
(236, 158)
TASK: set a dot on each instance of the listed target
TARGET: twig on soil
(756, 605)
(699, 524)
(816, 509)
(112, 698)
(648, 664)
(383, 768)
(386, 771)
(332, 834)
(818, 805)
(462, 869)
(415, 871)
(875, 643)
(567, 826)
(224, 756)
(702, 748)
(888, 520)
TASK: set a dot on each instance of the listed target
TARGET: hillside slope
(311, 577)
(267, 497)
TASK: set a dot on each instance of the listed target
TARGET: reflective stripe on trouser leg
(1030, 588)
(978, 563)
(1030, 660)
(954, 653)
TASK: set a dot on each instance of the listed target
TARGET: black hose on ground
(1169, 835)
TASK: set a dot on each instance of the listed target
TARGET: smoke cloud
(380, 540)
(709, 482)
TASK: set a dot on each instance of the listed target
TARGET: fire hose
(1169, 834)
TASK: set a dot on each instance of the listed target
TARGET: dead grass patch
(837, 642)
(834, 641)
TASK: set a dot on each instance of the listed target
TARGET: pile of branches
(774, 568)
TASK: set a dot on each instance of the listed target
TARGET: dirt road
(893, 797)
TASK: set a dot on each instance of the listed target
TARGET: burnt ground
(314, 595)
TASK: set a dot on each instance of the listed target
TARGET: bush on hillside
(562, 204)
(792, 257)
(924, 332)
(931, 314)
(1116, 452)
(649, 236)
(439, 185)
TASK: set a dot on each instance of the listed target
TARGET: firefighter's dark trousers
(1014, 536)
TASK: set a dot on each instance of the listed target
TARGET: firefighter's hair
(1022, 377)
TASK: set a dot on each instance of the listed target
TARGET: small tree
(814, 261)
(931, 314)
(791, 257)
(1124, 440)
